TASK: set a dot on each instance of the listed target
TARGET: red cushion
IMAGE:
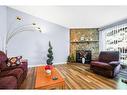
(8, 82)
(101, 65)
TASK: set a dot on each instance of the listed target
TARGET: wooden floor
(78, 76)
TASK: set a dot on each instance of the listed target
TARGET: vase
(83, 60)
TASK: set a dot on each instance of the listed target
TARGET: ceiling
(77, 16)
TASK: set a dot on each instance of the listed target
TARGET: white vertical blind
(116, 40)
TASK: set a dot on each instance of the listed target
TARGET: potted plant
(71, 58)
(49, 62)
(50, 55)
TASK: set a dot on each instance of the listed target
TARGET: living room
(58, 48)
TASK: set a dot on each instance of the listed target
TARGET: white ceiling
(77, 16)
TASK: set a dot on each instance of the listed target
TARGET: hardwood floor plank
(78, 76)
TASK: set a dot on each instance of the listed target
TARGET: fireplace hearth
(83, 53)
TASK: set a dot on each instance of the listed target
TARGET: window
(116, 40)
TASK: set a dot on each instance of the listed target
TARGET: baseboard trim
(45, 64)
(36, 65)
(59, 63)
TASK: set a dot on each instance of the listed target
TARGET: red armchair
(11, 77)
(107, 65)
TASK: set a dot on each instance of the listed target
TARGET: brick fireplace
(84, 39)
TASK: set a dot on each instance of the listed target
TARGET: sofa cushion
(108, 56)
(15, 72)
(8, 82)
(3, 60)
(3, 65)
(101, 65)
(23, 65)
(3, 57)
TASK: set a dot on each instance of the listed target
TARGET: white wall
(102, 38)
(3, 26)
(101, 41)
(33, 45)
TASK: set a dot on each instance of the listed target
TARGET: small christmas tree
(50, 55)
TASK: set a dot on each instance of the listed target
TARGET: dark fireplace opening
(83, 54)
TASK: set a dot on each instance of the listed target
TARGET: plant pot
(48, 67)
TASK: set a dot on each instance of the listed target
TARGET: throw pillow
(19, 59)
(13, 61)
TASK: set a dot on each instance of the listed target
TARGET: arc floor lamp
(22, 28)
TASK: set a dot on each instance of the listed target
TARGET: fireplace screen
(83, 54)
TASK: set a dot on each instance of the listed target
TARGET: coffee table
(44, 81)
